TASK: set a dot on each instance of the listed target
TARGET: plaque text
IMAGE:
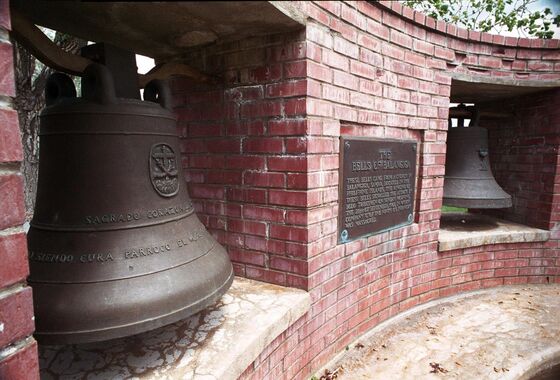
(376, 187)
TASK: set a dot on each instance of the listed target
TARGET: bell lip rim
(57, 338)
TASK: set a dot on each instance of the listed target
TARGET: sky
(554, 5)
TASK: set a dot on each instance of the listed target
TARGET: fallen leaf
(501, 369)
(331, 375)
(437, 368)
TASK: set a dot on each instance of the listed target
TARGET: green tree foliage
(491, 15)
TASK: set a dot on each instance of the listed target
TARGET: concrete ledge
(218, 343)
(507, 332)
(459, 231)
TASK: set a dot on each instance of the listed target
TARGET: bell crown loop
(157, 91)
(59, 86)
(98, 84)
(98, 87)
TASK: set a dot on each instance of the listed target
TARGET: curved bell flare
(468, 177)
(115, 247)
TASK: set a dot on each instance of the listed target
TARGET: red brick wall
(261, 154)
(524, 149)
(18, 351)
(244, 150)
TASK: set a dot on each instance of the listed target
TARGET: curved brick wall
(262, 159)
(261, 155)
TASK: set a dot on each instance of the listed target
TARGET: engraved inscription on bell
(163, 170)
(377, 186)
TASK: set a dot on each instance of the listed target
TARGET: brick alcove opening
(523, 150)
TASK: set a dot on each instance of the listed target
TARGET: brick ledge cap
(218, 343)
(494, 231)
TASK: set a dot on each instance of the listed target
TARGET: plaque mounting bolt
(414, 147)
(410, 218)
(347, 144)
(344, 236)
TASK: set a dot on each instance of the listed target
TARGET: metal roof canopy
(161, 29)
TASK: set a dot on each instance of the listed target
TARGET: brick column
(18, 349)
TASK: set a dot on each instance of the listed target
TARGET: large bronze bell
(468, 177)
(115, 247)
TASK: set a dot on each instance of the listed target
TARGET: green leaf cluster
(491, 15)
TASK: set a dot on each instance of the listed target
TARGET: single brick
(10, 140)
(264, 179)
(5, 15)
(16, 316)
(287, 89)
(13, 255)
(7, 83)
(12, 211)
(22, 364)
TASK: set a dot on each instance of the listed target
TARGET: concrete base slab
(217, 343)
(463, 230)
(501, 333)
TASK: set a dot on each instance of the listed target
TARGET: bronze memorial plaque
(377, 186)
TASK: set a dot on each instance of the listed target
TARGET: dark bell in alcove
(115, 247)
(469, 181)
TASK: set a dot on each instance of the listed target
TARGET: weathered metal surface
(377, 186)
(114, 245)
(469, 181)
